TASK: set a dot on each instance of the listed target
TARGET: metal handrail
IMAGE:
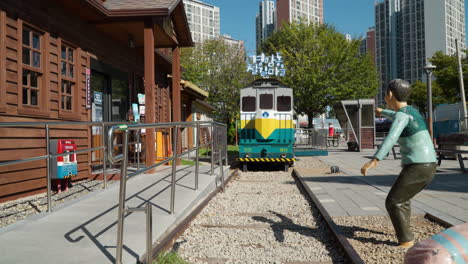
(123, 159)
(50, 156)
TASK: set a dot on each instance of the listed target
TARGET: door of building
(110, 92)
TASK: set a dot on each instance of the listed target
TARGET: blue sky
(348, 16)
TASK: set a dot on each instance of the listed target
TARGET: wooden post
(176, 104)
(150, 115)
(190, 130)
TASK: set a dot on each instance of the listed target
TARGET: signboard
(266, 66)
(141, 99)
(98, 98)
(88, 88)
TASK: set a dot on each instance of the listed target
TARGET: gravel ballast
(13, 211)
(373, 237)
(262, 217)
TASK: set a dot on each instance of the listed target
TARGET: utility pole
(429, 68)
(462, 88)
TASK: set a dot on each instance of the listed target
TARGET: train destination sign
(266, 66)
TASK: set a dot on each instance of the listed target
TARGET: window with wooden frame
(33, 89)
(69, 95)
(67, 74)
(32, 71)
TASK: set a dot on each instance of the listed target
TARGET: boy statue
(418, 157)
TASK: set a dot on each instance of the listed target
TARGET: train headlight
(247, 155)
(283, 155)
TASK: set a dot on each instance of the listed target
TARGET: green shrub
(170, 257)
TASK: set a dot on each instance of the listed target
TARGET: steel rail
(340, 237)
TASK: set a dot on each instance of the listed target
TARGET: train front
(266, 131)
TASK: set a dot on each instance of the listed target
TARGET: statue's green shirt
(410, 131)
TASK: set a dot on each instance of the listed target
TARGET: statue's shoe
(406, 244)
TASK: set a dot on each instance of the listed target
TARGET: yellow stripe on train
(266, 126)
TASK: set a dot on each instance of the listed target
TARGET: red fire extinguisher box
(63, 167)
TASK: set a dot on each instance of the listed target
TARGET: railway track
(269, 217)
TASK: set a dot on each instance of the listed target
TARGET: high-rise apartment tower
(265, 21)
(203, 19)
(408, 32)
(309, 11)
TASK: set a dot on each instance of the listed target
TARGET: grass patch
(169, 258)
(233, 148)
(187, 162)
(204, 152)
(233, 153)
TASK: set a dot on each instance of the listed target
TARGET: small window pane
(68, 103)
(283, 103)
(36, 59)
(26, 56)
(248, 104)
(71, 68)
(63, 86)
(266, 101)
(25, 96)
(36, 41)
(33, 97)
(33, 79)
(26, 36)
(25, 77)
(70, 55)
(69, 88)
(62, 102)
(64, 53)
(64, 68)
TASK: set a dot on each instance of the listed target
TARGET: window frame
(278, 105)
(42, 107)
(74, 112)
(260, 101)
(254, 103)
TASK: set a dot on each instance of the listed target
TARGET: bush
(169, 258)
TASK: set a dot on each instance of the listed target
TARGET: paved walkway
(353, 194)
(84, 231)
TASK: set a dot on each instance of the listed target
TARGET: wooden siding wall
(18, 143)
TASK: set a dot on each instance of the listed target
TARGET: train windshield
(283, 103)
(248, 104)
(266, 101)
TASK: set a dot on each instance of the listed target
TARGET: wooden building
(194, 108)
(49, 48)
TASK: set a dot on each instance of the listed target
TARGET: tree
(322, 66)
(220, 69)
(418, 96)
(446, 75)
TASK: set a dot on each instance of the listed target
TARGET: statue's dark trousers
(412, 179)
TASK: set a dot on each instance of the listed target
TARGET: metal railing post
(104, 156)
(197, 153)
(123, 185)
(49, 183)
(149, 233)
(221, 168)
(226, 148)
(139, 149)
(212, 149)
(174, 170)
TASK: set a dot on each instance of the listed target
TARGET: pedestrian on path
(418, 157)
